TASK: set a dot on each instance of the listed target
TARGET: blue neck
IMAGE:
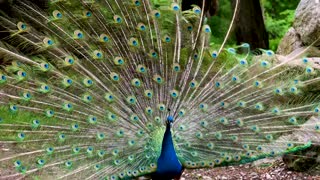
(168, 166)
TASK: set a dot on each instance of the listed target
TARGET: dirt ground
(276, 171)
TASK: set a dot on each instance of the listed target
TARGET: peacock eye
(114, 76)
(23, 74)
(309, 70)
(22, 26)
(141, 27)
(14, 107)
(175, 7)
(57, 14)
(293, 89)
(79, 35)
(137, 3)
(264, 64)
(269, 52)
(21, 135)
(17, 163)
(207, 29)
(133, 41)
(48, 41)
(174, 93)
(27, 95)
(88, 14)
(197, 10)
(157, 14)
(98, 54)
(104, 38)
(243, 62)
(118, 19)
(214, 54)
(70, 61)
(195, 56)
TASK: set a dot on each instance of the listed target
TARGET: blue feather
(168, 165)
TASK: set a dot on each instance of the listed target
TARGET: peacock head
(170, 120)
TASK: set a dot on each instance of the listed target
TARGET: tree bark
(249, 24)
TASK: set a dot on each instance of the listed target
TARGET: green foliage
(221, 22)
(275, 7)
(277, 27)
(279, 15)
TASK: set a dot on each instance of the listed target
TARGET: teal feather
(89, 90)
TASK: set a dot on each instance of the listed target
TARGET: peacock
(122, 89)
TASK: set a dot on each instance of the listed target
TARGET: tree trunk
(249, 24)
